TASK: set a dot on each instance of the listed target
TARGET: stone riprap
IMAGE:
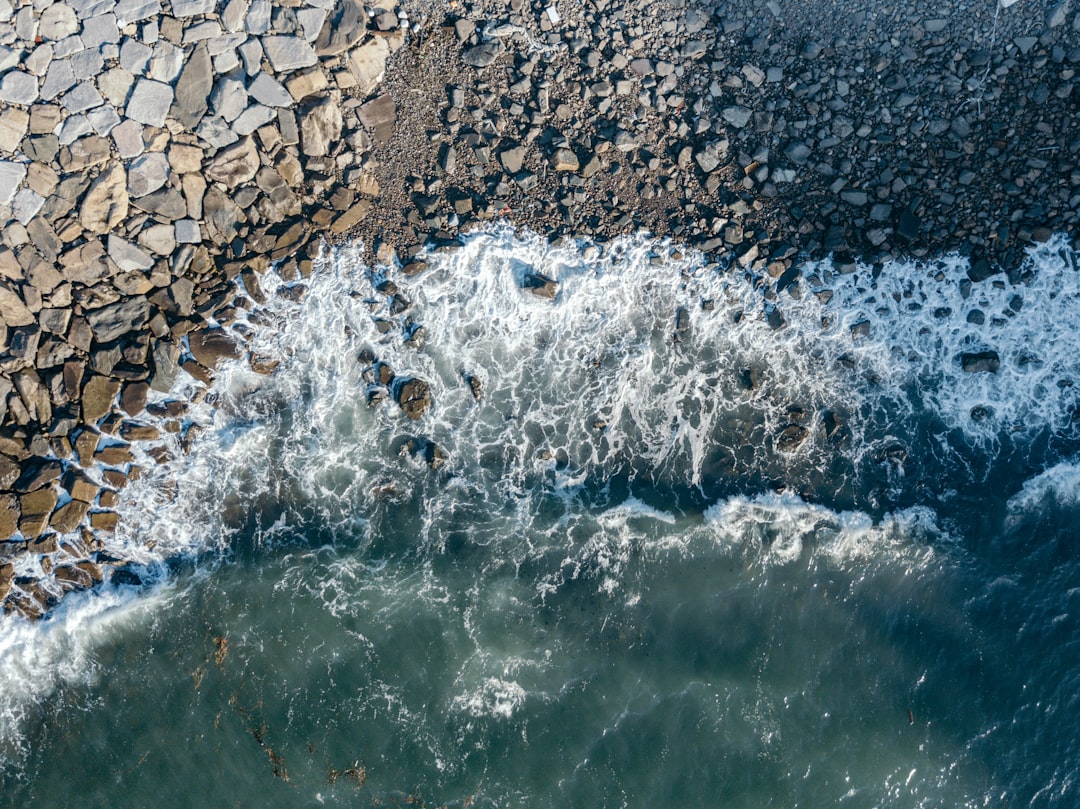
(153, 152)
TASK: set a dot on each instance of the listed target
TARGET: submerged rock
(979, 361)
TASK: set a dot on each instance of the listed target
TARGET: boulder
(379, 115)
(193, 87)
(414, 397)
(540, 285)
(344, 27)
(980, 361)
(367, 64)
(483, 54)
(210, 346)
(234, 165)
(114, 320)
(98, 396)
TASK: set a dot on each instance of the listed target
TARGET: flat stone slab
(11, 174)
(150, 102)
(18, 87)
(288, 53)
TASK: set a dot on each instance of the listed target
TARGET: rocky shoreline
(155, 153)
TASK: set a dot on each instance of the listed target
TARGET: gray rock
(166, 62)
(235, 165)
(288, 53)
(103, 119)
(320, 125)
(229, 98)
(82, 97)
(166, 203)
(216, 132)
(117, 319)
(13, 311)
(134, 10)
(128, 256)
(58, 79)
(57, 21)
(150, 102)
(106, 203)
(165, 358)
(17, 87)
(189, 8)
(737, 116)
(147, 174)
(379, 115)
(232, 16)
(193, 87)
(483, 54)
(1056, 15)
(74, 128)
(258, 17)
(102, 29)
(115, 85)
(852, 197)
(512, 159)
(187, 232)
(797, 152)
(11, 175)
(344, 27)
(128, 139)
(26, 204)
(252, 118)
(266, 90)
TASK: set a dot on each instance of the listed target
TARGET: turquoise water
(626, 585)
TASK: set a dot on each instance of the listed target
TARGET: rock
(540, 285)
(435, 455)
(147, 174)
(320, 125)
(791, 437)
(344, 27)
(36, 509)
(287, 53)
(106, 203)
(17, 87)
(908, 226)
(193, 88)
(737, 116)
(150, 102)
(251, 119)
(483, 54)
(98, 396)
(127, 256)
(797, 152)
(65, 520)
(165, 359)
(512, 159)
(367, 64)
(1055, 16)
(414, 397)
(13, 311)
(9, 524)
(11, 176)
(117, 319)
(229, 97)
(565, 160)
(306, 83)
(379, 116)
(266, 90)
(234, 165)
(210, 346)
(57, 22)
(980, 361)
(351, 217)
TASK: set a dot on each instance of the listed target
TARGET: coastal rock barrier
(156, 157)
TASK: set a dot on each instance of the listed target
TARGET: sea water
(699, 541)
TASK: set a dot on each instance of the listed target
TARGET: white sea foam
(1061, 483)
(648, 369)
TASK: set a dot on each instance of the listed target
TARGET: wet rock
(980, 361)
(36, 508)
(476, 387)
(98, 396)
(434, 455)
(791, 437)
(210, 346)
(540, 285)
(66, 519)
(414, 397)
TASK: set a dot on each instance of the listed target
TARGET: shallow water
(674, 554)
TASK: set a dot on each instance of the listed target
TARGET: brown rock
(36, 509)
(13, 311)
(106, 203)
(104, 521)
(351, 217)
(86, 445)
(234, 165)
(79, 485)
(130, 431)
(210, 346)
(414, 397)
(133, 398)
(99, 393)
(9, 515)
(69, 516)
(114, 455)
